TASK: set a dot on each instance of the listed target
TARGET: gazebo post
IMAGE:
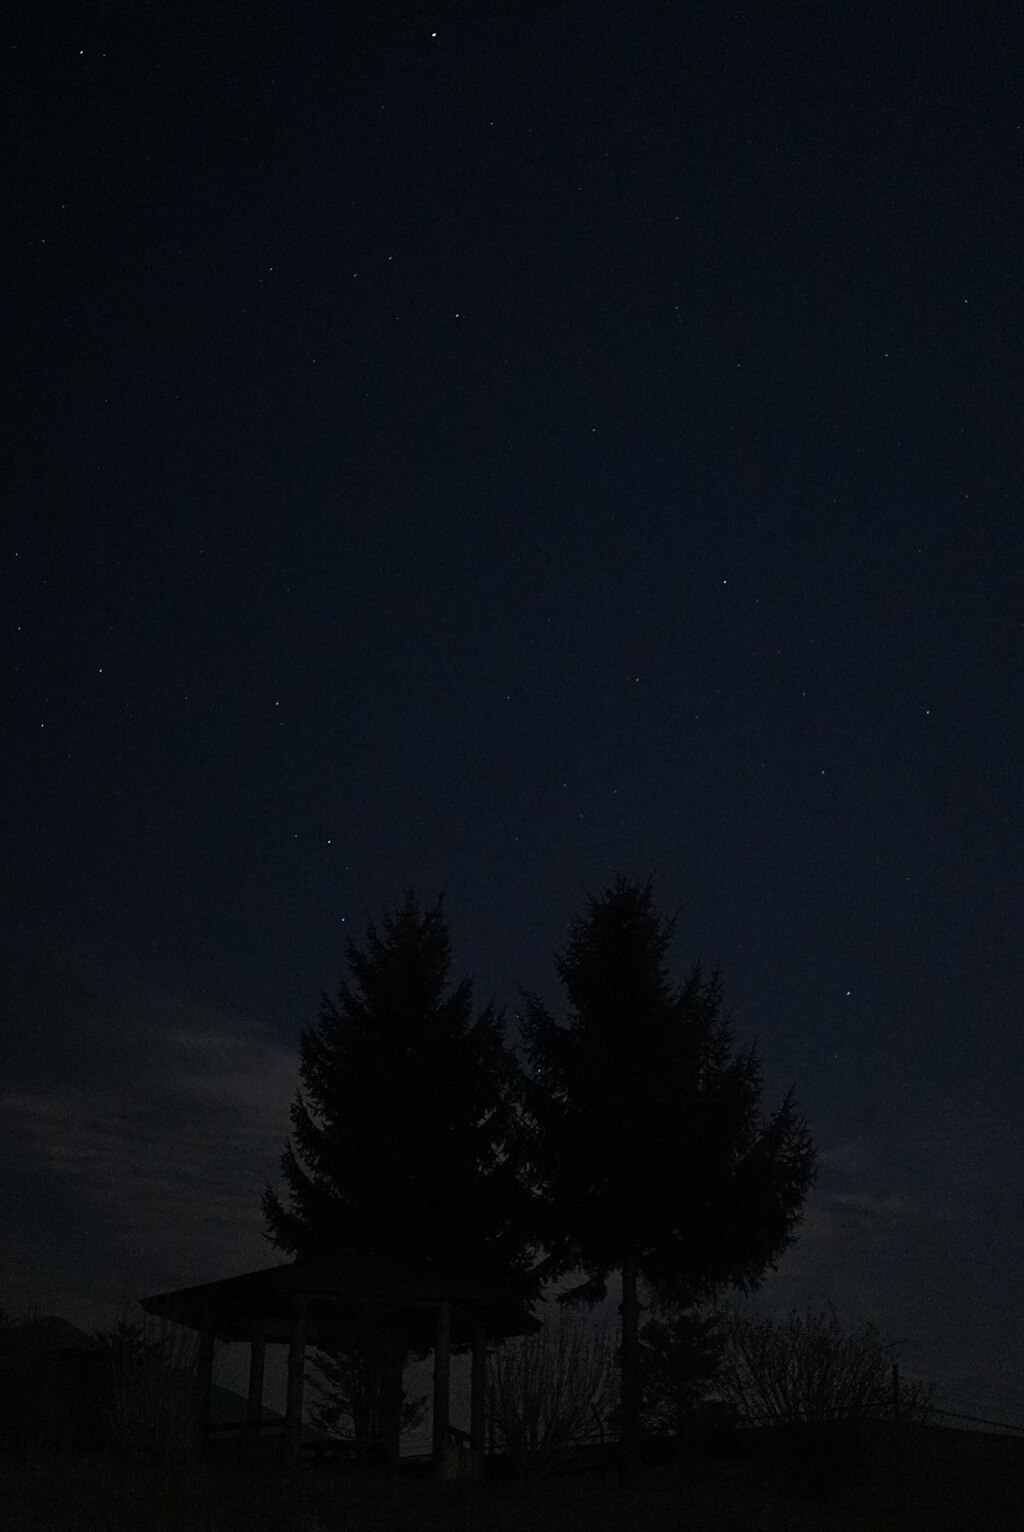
(204, 1379)
(442, 1376)
(296, 1371)
(254, 1407)
(478, 1395)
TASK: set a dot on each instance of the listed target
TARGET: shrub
(827, 1394)
(150, 1387)
(550, 1391)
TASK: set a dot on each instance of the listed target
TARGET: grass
(104, 1495)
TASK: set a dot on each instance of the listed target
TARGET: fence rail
(981, 1420)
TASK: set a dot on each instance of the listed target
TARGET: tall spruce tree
(403, 1131)
(654, 1157)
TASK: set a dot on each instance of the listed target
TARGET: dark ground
(947, 1490)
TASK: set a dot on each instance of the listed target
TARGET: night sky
(485, 447)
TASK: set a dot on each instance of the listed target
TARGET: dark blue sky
(587, 438)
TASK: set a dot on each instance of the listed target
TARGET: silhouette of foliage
(649, 1145)
(549, 1391)
(680, 1360)
(806, 1367)
(351, 1387)
(825, 1394)
(404, 1132)
(151, 1369)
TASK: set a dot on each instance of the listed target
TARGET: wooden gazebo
(299, 1304)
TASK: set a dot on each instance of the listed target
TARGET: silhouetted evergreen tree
(402, 1133)
(681, 1357)
(649, 1143)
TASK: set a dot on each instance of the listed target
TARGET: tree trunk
(392, 1398)
(442, 1378)
(629, 1404)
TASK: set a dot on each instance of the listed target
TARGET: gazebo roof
(351, 1278)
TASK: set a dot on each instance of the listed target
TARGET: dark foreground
(945, 1492)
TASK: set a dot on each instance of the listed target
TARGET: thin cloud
(157, 1166)
(890, 1227)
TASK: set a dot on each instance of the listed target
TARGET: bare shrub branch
(825, 1394)
(152, 1367)
(806, 1367)
(550, 1390)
